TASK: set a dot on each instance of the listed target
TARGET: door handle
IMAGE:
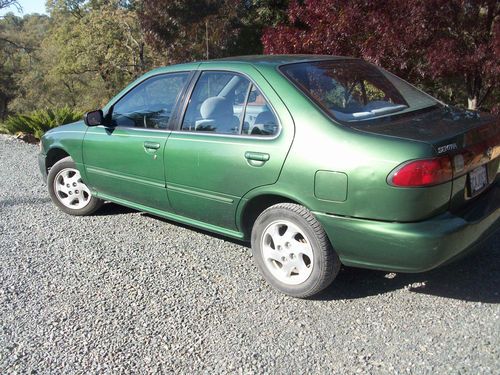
(151, 145)
(257, 156)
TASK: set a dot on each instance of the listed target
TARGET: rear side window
(353, 90)
(150, 103)
(228, 103)
(259, 119)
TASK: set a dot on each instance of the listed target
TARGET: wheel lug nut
(291, 256)
(67, 185)
(70, 193)
(279, 247)
(76, 191)
(74, 184)
(283, 259)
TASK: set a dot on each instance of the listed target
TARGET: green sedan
(318, 161)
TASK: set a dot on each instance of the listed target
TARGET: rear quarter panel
(321, 145)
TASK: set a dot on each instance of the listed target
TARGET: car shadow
(23, 201)
(113, 209)
(474, 278)
(198, 230)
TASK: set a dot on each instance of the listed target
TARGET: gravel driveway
(125, 292)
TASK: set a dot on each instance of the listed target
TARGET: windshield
(353, 90)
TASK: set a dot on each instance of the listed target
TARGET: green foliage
(187, 30)
(85, 51)
(79, 56)
(96, 48)
(19, 39)
(38, 122)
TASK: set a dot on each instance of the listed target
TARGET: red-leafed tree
(465, 45)
(453, 42)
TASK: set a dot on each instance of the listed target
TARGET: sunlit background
(28, 6)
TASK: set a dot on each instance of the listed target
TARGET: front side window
(353, 90)
(228, 103)
(150, 104)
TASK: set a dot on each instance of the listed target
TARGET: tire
(292, 251)
(67, 190)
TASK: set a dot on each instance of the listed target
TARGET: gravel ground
(125, 292)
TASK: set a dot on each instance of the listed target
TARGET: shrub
(38, 122)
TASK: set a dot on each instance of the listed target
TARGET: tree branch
(9, 3)
(18, 46)
(486, 94)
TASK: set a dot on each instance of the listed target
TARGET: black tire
(91, 206)
(325, 264)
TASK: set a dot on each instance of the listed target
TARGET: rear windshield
(354, 90)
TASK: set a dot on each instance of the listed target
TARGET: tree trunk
(472, 103)
(474, 84)
(3, 108)
(141, 58)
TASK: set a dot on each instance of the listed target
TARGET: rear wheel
(292, 251)
(68, 191)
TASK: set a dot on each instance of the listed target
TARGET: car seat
(265, 123)
(218, 116)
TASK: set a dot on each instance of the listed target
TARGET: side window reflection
(259, 119)
(216, 103)
(150, 104)
(228, 103)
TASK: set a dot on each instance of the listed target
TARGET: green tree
(96, 48)
(20, 38)
(187, 30)
(86, 50)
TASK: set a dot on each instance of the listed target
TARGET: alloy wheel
(70, 190)
(287, 252)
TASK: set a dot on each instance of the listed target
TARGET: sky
(29, 6)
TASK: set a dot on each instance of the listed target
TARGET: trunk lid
(437, 126)
(471, 140)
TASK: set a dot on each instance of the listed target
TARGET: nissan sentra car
(317, 161)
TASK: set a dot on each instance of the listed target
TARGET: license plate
(478, 179)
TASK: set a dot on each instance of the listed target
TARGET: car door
(125, 159)
(233, 137)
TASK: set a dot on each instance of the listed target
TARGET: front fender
(67, 138)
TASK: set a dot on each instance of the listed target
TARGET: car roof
(269, 60)
(277, 59)
(273, 61)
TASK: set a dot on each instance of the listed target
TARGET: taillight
(423, 172)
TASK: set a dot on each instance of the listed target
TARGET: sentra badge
(451, 146)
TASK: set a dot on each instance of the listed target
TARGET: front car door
(234, 136)
(124, 161)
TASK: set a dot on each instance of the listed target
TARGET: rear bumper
(41, 165)
(413, 247)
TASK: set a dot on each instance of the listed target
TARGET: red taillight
(422, 172)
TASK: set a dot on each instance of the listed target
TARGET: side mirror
(94, 118)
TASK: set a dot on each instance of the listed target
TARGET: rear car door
(233, 137)
(125, 160)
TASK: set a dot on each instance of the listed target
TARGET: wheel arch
(254, 205)
(54, 155)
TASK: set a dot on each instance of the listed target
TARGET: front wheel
(67, 190)
(292, 251)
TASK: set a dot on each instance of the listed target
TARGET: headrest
(265, 117)
(216, 107)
